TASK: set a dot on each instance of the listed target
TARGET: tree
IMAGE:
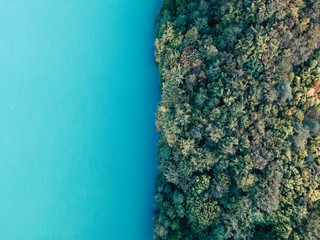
(238, 120)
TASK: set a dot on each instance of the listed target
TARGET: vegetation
(239, 143)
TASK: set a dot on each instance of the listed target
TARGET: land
(238, 121)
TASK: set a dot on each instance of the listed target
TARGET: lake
(78, 95)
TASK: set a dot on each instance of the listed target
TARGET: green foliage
(238, 121)
(285, 92)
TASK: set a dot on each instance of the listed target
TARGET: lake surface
(78, 94)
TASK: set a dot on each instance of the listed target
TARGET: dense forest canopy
(239, 120)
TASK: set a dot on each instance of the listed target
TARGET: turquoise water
(78, 93)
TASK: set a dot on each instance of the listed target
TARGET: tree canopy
(239, 120)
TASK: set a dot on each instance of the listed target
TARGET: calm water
(78, 92)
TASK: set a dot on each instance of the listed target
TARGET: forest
(239, 120)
